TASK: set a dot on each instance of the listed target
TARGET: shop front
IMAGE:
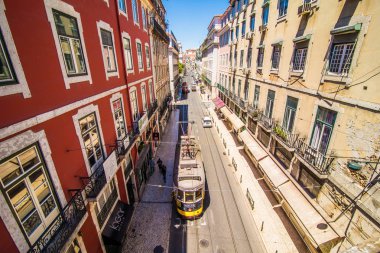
(252, 125)
(114, 231)
(263, 136)
(143, 169)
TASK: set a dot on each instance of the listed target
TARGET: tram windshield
(198, 194)
(180, 195)
(189, 196)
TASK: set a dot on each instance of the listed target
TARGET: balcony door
(290, 113)
(322, 130)
(270, 102)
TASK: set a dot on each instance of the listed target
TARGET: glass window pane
(6, 68)
(78, 56)
(29, 159)
(42, 192)
(189, 196)
(24, 207)
(9, 171)
(65, 24)
(67, 55)
(198, 194)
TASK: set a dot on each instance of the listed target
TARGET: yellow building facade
(304, 78)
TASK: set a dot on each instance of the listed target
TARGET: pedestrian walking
(159, 162)
(164, 173)
(151, 165)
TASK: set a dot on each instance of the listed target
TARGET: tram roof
(190, 174)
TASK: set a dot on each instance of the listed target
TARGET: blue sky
(188, 19)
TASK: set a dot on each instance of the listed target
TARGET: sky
(189, 19)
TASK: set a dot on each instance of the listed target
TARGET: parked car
(194, 87)
(206, 122)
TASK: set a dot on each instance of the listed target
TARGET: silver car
(206, 122)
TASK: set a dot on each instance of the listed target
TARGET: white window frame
(127, 36)
(22, 85)
(103, 25)
(134, 104)
(115, 97)
(125, 14)
(69, 10)
(10, 147)
(144, 18)
(142, 56)
(302, 57)
(143, 97)
(82, 112)
(147, 57)
(135, 7)
(151, 90)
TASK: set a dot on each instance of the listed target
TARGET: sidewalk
(150, 224)
(273, 233)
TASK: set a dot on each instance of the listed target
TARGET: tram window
(180, 195)
(198, 194)
(189, 196)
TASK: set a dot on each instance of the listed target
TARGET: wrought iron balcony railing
(305, 8)
(102, 216)
(58, 232)
(266, 121)
(313, 157)
(288, 138)
(152, 108)
(94, 183)
(160, 31)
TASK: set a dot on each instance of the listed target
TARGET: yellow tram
(190, 190)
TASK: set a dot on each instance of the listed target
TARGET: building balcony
(60, 230)
(266, 122)
(94, 183)
(106, 210)
(284, 136)
(253, 112)
(243, 104)
(157, 29)
(305, 8)
(319, 163)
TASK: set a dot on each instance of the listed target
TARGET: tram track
(215, 153)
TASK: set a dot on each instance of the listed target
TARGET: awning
(218, 103)
(115, 229)
(235, 121)
(225, 112)
(316, 228)
(253, 147)
(273, 172)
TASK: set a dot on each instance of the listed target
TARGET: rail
(287, 137)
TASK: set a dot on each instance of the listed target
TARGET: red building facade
(79, 113)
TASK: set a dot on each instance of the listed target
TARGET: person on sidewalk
(163, 171)
(151, 165)
(159, 162)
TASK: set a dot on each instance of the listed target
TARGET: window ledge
(282, 19)
(273, 71)
(336, 78)
(296, 73)
(131, 71)
(123, 14)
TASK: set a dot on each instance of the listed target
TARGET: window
(151, 91)
(74, 247)
(265, 15)
(232, 35)
(340, 58)
(276, 56)
(118, 115)
(239, 87)
(238, 5)
(290, 113)
(237, 32)
(235, 57)
(147, 55)
(26, 185)
(7, 74)
(241, 58)
(252, 23)
(143, 95)
(91, 139)
(323, 126)
(122, 6)
(282, 8)
(260, 58)
(71, 46)
(135, 11)
(256, 97)
(246, 89)
(134, 105)
(143, 16)
(243, 29)
(299, 59)
(139, 56)
(108, 50)
(128, 53)
(270, 102)
(249, 57)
